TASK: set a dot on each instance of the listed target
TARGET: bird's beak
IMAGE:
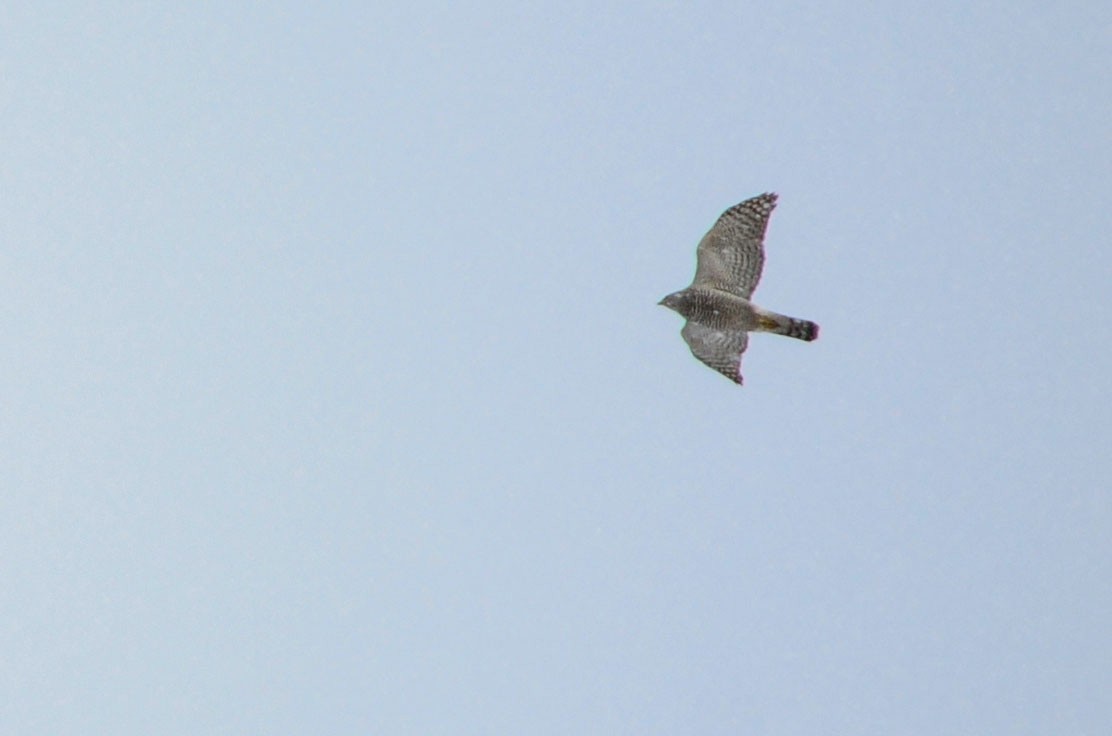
(661, 302)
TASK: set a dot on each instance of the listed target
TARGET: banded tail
(800, 329)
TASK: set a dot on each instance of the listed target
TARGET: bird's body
(717, 308)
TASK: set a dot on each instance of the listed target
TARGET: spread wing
(731, 254)
(720, 349)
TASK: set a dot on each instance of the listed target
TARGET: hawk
(716, 306)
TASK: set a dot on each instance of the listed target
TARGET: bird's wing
(720, 349)
(731, 254)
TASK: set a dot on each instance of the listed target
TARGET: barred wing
(731, 255)
(720, 349)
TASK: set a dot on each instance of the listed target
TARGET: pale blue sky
(337, 399)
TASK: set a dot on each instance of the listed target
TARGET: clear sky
(336, 397)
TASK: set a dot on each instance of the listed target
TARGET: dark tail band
(802, 329)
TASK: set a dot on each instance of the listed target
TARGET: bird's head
(674, 301)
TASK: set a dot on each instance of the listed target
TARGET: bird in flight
(716, 306)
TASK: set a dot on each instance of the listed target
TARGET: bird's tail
(779, 324)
